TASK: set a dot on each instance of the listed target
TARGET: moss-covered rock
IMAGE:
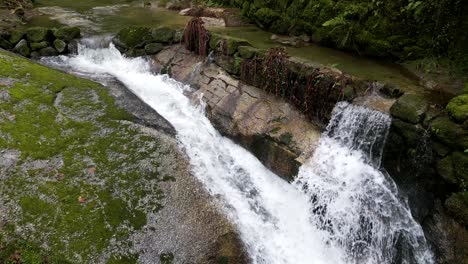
(38, 45)
(410, 108)
(457, 205)
(228, 63)
(48, 52)
(231, 44)
(60, 45)
(16, 36)
(460, 168)
(163, 34)
(215, 38)
(450, 133)
(458, 108)
(153, 48)
(133, 37)
(84, 179)
(445, 169)
(38, 34)
(247, 52)
(5, 44)
(22, 48)
(67, 33)
(412, 134)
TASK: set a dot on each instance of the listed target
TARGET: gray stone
(60, 45)
(22, 48)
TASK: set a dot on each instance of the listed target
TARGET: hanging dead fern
(196, 37)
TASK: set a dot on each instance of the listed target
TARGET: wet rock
(38, 34)
(16, 36)
(153, 48)
(60, 45)
(163, 34)
(48, 52)
(445, 169)
(457, 205)
(135, 53)
(73, 47)
(228, 63)
(247, 52)
(458, 108)
(410, 133)
(450, 133)
(410, 108)
(22, 48)
(5, 44)
(133, 37)
(38, 45)
(68, 33)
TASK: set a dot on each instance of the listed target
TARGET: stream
(342, 208)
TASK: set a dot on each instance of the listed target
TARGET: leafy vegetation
(400, 29)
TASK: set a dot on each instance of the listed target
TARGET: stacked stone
(37, 42)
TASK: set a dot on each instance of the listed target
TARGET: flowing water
(341, 209)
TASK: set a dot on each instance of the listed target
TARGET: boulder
(450, 133)
(133, 37)
(410, 108)
(68, 33)
(457, 206)
(445, 169)
(229, 64)
(458, 108)
(5, 44)
(411, 133)
(22, 48)
(135, 53)
(38, 34)
(73, 47)
(39, 45)
(16, 36)
(225, 44)
(247, 52)
(153, 48)
(162, 34)
(60, 45)
(48, 51)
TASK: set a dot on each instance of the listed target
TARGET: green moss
(166, 258)
(67, 33)
(84, 127)
(133, 37)
(38, 34)
(409, 108)
(163, 34)
(458, 108)
(450, 133)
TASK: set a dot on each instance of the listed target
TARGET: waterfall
(341, 209)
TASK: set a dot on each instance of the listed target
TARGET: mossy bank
(80, 180)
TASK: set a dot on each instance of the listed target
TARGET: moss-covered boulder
(458, 108)
(60, 45)
(214, 40)
(16, 36)
(38, 34)
(38, 45)
(412, 134)
(163, 34)
(410, 108)
(22, 48)
(133, 37)
(153, 48)
(450, 133)
(5, 44)
(67, 33)
(457, 205)
(230, 44)
(445, 169)
(247, 52)
(48, 51)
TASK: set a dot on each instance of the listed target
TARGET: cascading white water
(309, 221)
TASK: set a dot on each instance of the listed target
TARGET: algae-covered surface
(104, 16)
(361, 67)
(77, 177)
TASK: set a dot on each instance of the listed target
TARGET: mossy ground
(85, 177)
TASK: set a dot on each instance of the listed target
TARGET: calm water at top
(108, 16)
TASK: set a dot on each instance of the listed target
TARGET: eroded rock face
(273, 130)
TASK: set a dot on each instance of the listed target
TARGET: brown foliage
(196, 37)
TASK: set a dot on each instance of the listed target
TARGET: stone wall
(427, 155)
